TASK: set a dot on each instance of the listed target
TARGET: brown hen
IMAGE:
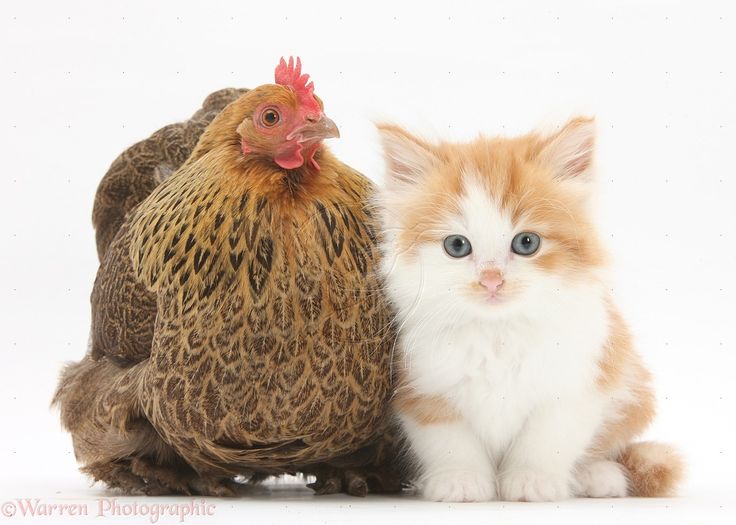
(238, 324)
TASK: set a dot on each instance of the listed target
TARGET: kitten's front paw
(459, 486)
(530, 485)
(601, 479)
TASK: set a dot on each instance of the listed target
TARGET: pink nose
(492, 280)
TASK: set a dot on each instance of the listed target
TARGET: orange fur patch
(655, 469)
(517, 176)
(425, 410)
(621, 367)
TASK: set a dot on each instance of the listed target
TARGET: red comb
(290, 75)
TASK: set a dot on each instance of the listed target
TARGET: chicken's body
(239, 328)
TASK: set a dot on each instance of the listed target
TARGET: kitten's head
(489, 225)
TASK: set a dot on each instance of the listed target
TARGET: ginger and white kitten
(518, 380)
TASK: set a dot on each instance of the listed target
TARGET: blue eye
(457, 246)
(525, 243)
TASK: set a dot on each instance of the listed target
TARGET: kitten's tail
(655, 469)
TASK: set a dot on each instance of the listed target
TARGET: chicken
(238, 323)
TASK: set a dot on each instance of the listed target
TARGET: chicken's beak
(315, 130)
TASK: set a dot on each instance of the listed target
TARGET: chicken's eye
(270, 117)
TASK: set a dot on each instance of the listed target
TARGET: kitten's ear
(570, 151)
(408, 158)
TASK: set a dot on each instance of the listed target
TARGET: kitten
(518, 379)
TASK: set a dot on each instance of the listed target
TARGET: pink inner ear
(577, 165)
(570, 153)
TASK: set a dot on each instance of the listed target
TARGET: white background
(82, 81)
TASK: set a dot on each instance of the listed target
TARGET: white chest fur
(497, 372)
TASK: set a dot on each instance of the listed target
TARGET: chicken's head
(285, 121)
